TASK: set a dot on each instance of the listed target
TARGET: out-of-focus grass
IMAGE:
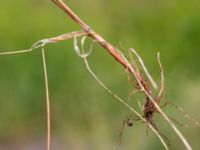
(83, 113)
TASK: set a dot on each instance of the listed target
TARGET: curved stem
(119, 58)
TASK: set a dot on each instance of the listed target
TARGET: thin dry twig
(145, 68)
(121, 59)
(47, 100)
(84, 56)
(117, 55)
(41, 44)
(162, 81)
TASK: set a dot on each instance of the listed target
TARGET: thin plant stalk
(41, 44)
(107, 46)
(48, 112)
(145, 69)
(162, 81)
(119, 58)
(124, 103)
(84, 57)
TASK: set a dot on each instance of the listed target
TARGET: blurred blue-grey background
(85, 116)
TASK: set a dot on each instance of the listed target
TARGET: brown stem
(119, 58)
(109, 47)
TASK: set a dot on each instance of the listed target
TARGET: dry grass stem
(41, 44)
(84, 56)
(119, 58)
(47, 100)
(162, 80)
(151, 104)
(152, 81)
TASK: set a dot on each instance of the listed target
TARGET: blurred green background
(85, 116)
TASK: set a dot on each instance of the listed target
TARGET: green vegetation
(82, 112)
